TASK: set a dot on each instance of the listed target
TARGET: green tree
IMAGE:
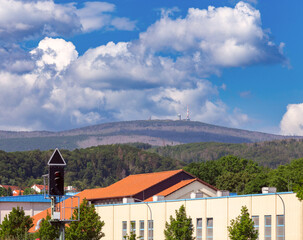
(15, 225)
(180, 227)
(47, 231)
(242, 228)
(89, 227)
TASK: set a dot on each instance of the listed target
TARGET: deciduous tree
(89, 227)
(180, 227)
(15, 225)
(242, 228)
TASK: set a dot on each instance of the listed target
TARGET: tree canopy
(15, 225)
(242, 228)
(180, 227)
(89, 227)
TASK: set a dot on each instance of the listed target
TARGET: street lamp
(283, 214)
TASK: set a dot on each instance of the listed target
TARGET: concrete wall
(222, 210)
(30, 208)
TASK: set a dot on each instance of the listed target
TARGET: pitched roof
(41, 187)
(130, 185)
(173, 188)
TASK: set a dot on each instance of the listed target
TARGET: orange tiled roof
(130, 185)
(126, 187)
(173, 188)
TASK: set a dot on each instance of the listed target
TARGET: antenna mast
(187, 115)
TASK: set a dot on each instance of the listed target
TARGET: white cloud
(56, 52)
(21, 20)
(292, 121)
(221, 37)
(156, 75)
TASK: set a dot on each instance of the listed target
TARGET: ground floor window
(256, 223)
(199, 229)
(150, 230)
(141, 232)
(267, 227)
(209, 228)
(280, 227)
(124, 229)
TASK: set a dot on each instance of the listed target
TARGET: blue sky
(68, 64)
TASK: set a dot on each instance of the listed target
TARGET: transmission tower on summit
(187, 114)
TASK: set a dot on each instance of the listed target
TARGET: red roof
(11, 187)
(126, 187)
(41, 187)
(130, 185)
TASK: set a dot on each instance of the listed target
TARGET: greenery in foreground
(180, 227)
(242, 228)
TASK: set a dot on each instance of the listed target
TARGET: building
(146, 201)
(31, 204)
(38, 188)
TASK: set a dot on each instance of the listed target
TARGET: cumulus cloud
(157, 75)
(21, 20)
(217, 37)
(292, 121)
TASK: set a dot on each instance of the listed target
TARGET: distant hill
(154, 132)
(268, 153)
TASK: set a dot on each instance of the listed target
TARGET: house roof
(11, 187)
(173, 188)
(126, 187)
(130, 185)
(25, 198)
(41, 187)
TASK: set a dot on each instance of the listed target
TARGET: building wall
(185, 192)
(30, 208)
(221, 209)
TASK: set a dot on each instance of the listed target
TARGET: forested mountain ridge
(154, 132)
(86, 168)
(268, 153)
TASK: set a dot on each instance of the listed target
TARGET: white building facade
(272, 213)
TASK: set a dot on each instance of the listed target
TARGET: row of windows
(150, 229)
(267, 226)
(209, 228)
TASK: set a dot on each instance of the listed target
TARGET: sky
(68, 64)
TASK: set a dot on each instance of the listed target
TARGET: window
(133, 226)
(150, 230)
(141, 233)
(267, 229)
(280, 227)
(199, 229)
(209, 228)
(256, 222)
(124, 229)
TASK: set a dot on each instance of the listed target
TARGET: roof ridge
(177, 170)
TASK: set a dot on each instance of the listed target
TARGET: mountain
(268, 153)
(153, 132)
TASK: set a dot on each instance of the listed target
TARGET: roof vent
(222, 193)
(269, 190)
(128, 200)
(197, 194)
(157, 198)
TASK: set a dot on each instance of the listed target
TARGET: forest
(103, 165)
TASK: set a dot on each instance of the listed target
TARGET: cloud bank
(166, 68)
